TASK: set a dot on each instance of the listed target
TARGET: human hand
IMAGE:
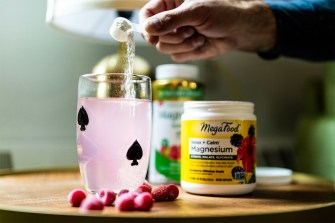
(197, 29)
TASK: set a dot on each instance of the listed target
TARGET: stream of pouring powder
(123, 31)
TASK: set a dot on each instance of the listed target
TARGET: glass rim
(94, 77)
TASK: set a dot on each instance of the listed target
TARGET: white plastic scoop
(120, 28)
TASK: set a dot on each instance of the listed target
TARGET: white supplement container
(218, 147)
(174, 84)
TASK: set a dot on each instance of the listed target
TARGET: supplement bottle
(218, 147)
(175, 83)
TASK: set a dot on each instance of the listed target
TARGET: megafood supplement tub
(218, 147)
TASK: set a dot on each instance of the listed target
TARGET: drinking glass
(113, 130)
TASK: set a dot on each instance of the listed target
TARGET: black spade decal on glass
(82, 118)
(135, 153)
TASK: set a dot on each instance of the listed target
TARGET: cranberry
(125, 202)
(172, 191)
(160, 193)
(76, 196)
(144, 202)
(91, 203)
(107, 196)
(123, 191)
(146, 183)
(165, 192)
(143, 188)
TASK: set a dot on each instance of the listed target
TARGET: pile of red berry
(142, 199)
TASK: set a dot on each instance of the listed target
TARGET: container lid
(183, 71)
(273, 176)
(219, 105)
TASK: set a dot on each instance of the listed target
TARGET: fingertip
(153, 40)
(198, 41)
(187, 31)
(149, 38)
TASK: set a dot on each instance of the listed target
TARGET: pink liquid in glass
(103, 142)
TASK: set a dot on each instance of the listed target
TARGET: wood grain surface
(40, 196)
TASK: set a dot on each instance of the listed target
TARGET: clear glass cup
(113, 130)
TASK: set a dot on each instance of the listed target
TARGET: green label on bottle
(192, 94)
(170, 168)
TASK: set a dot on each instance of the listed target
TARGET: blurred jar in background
(316, 128)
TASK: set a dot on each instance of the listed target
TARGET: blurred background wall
(39, 70)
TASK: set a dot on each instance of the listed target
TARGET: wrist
(258, 25)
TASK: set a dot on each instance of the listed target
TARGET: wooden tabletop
(40, 196)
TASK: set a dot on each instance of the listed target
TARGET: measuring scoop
(120, 28)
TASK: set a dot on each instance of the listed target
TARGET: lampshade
(91, 19)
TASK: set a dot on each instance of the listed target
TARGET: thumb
(167, 21)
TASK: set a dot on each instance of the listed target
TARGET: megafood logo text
(224, 127)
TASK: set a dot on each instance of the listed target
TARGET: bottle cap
(183, 71)
(273, 176)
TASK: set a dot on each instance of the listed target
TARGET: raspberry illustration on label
(247, 150)
(174, 152)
